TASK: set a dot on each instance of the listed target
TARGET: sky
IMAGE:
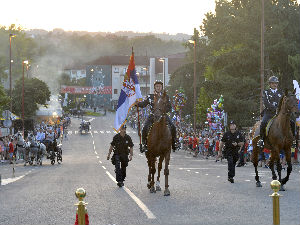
(157, 16)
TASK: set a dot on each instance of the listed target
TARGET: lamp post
(10, 80)
(163, 61)
(23, 63)
(195, 98)
(146, 69)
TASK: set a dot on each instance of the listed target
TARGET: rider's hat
(273, 79)
(158, 82)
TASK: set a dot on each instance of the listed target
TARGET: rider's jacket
(121, 144)
(271, 99)
(150, 100)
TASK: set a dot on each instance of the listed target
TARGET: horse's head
(160, 105)
(289, 102)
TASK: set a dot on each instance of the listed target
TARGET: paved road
(200, 192)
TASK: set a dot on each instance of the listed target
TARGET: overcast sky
(157, 16)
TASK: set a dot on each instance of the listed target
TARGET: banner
(104, 90)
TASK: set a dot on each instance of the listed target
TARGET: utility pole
(262, 54)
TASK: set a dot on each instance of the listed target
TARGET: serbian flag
(130, 92)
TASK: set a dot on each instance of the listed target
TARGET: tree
(36, 92)
(4, 99)
(232, 53)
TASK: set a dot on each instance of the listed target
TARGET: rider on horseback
(271, 99)
(158, 88)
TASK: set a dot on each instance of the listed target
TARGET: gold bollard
(81, 210)
(275, 185)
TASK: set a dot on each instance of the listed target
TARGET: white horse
(22, 147)
(37, 150)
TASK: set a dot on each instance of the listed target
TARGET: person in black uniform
(233, 141)
(158, 88)
(271, 99)
(121, 145)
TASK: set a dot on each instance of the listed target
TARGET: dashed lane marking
(206, 174)
(100, 161)
(196, 172)
(189, 170)
(218, 176)
(142, 206)
(96, 153)
(104, 167)
(108, 131)
(247, 180)
(97, 157)
(199, 168)
(95, 132)
(102, 132)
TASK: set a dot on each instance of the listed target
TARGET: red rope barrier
(87, 222)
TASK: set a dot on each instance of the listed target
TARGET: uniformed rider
(121, 146)
(271, 99)
(158, 88)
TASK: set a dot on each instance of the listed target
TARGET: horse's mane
(280, 105)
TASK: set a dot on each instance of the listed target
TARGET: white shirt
(40, 136)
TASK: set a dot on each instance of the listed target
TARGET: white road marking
(218, 176)
(188, 170)
(264, 182)
(196, 172)
(142, 206)
(100, 161)
(69, 132)
(76, 132)
(11, 180)
(95, 132)
(91, 119)
(206, 174)
(96, 153)
(108, 131)
(97, 157)
(102, 132)
(104, 167)
(247, 180)
(133, 132)
(127, 132)
(195, 168)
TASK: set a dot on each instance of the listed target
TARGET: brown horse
(279, 138)
(159, 144)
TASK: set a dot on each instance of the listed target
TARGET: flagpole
(139, 129)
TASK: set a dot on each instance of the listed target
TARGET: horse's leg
(271, 164)
(149, 175)
(161, 159)
(255, 154)
(153, 170)
(289, 168)
(166, 172)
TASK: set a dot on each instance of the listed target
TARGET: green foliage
(4, 99)
(204, 102)
(228, 61)
(36, 92)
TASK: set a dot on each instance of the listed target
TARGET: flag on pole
(130, 92)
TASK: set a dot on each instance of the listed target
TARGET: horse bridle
(288, 111)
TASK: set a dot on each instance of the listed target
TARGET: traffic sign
(7, 123)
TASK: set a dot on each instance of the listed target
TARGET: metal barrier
(81, 210)
(275, 185)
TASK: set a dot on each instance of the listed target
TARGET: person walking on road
(122, 146)
(233, 141)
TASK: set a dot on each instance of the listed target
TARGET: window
(115, 91)
(82, 71)
(124, 70)
(116, 70)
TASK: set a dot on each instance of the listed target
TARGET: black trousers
(263, 125)
(232, 158)
(121, 162)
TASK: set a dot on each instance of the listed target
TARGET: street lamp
(146, 69)
(195, 98)
(163, 61)
(23, 63)
(10, 61)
